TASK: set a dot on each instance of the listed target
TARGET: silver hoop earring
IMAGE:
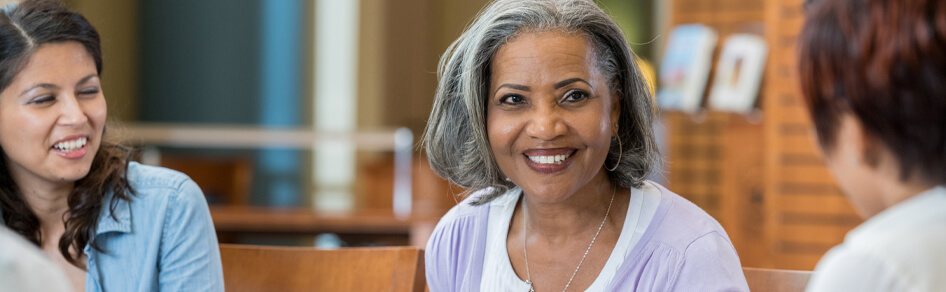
(620, 155)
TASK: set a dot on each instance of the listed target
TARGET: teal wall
(228, 62)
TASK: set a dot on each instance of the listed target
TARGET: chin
(74, 176)
(548, 194)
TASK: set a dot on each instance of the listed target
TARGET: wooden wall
(716, 159)
(807, 213)
(760, 175)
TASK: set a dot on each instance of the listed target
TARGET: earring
(620, 155)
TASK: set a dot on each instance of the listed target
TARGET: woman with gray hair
(543, 115)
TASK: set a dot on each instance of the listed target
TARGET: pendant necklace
(526, 254)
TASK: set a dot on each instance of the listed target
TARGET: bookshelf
(760, 175)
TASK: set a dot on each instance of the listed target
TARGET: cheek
(20, 127)
(97, 112)
(22, 136)
(595, 127)
(844, 174)
(501, 130)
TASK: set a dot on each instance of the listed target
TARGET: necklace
(526, 254)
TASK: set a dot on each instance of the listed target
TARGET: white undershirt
(498, 274)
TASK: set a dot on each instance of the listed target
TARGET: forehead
(550, 52)
(63, 62)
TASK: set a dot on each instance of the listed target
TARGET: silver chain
(526, 254)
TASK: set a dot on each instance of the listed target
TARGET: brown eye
(575, 96)
(512, 99)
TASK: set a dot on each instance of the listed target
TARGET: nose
(71, 113)
(546, 122)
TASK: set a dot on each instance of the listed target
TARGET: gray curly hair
(455, 138)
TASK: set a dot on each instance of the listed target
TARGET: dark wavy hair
(24, 28)
(883, 62)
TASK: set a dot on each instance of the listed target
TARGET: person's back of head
(884, 62)
(873, 76)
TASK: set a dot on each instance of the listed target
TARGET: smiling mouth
(550, 159)
(72, 145)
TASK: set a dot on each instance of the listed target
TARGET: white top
(498, 274)
(901, 249)
(23, 267)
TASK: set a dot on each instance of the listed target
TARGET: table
(359, 226)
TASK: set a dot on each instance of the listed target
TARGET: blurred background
(299, 118)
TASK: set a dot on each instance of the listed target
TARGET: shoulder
(851, 269)
(454, 252)
(682, 223)
(694, 249)
(142, 176)
(462, 220)
(159, 183)
(894, 258)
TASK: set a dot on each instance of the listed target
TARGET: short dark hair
(883, 62)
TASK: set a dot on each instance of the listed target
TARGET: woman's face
(549, 114)
(52, 116)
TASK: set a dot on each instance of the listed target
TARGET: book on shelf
(685, 67)
(739, 72)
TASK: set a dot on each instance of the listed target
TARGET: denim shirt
(163, 240)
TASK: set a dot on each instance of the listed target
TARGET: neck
(895, 193)
(49, 202)
(892, 187)
(581, 213)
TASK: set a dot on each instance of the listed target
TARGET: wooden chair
(264, 268)
(771, 280)
(224, 180)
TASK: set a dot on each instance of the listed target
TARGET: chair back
(259, 268)
(776, 280)
(224, 180)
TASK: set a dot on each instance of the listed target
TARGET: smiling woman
(543, 114)
(65, 189)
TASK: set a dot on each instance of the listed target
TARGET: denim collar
(122, 220)
(121, 223)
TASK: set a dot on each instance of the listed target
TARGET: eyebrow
(513, 86)
(41, 85)
(568, 81)
(87, 78)
(52, 86)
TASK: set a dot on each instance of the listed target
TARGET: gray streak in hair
(455, 138)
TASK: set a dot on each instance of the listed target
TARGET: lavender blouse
(683, 249)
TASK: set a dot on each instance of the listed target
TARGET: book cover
(685, 67)
(739, 72)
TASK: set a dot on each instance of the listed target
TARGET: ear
(859, 146)
(615, 111)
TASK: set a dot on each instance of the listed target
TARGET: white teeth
(554, 159)
(69, 146)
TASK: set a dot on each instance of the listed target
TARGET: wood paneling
(806, 212)
(715, 159)
(765, 182)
